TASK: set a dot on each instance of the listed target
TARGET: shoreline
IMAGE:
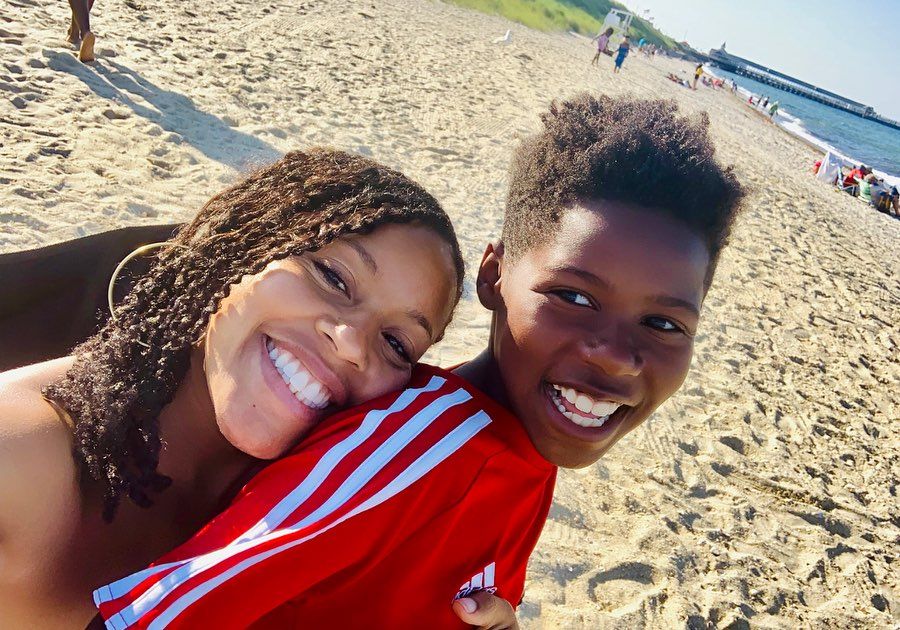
(819, 145)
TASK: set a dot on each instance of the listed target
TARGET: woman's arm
(38, 503)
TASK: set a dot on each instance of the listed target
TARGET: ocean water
(858, 140)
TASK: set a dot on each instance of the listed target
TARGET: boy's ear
(489, 275)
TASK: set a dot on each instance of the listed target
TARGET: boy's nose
(615, 354)
(349, 342)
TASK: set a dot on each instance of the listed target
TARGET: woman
(344, 269)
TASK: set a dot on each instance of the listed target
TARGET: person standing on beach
(80, 29)
(773, 109)
(698, 71)
(602, 42)
(624, 47)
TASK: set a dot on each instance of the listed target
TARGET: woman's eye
(573, 297)
(663, 324)
(332, 277)
(397, 346)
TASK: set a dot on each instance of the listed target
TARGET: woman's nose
(349, 343)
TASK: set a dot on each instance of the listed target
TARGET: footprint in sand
(628, 571)
(142, 210)
(734, 443)
(828, 523)
(12, 218)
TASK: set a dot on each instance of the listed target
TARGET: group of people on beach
(762, 103)
(621, 52)
(861, 182)
(703, 77)
(250, 438)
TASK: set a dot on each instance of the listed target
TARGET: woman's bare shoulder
(39, 491)
(42, 575)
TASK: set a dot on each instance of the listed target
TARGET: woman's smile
(293, 382)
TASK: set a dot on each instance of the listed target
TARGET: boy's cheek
(666, 372)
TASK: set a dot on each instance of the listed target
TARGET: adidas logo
(481, 581)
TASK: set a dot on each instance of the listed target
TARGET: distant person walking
(80, 29)
(773, 109)
(624, 47)
(698, 72)
(602, 40)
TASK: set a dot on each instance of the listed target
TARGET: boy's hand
(486, 612)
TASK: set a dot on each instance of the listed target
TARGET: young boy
(389, 512)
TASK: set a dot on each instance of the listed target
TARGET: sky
(849, 47)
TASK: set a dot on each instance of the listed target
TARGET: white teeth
(305, 388)
(584, 421)
(290, 369)
(312, 391)
(599, 410)
(603, 408)
(583, 403)
(299, 380)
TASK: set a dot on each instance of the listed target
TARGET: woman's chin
(260, 443)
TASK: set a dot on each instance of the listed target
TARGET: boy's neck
(484, 373)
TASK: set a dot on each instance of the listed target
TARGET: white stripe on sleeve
(355, 481)
(295, 499)
(449, 444)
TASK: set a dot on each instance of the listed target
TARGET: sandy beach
(763, 495)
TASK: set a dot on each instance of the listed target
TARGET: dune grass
(543, 15)
(581, 16)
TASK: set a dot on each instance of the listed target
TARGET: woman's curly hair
(125, 374)
(625, 149)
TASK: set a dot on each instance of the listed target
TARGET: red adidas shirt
(382, 517)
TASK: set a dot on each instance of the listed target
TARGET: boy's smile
(594, 327)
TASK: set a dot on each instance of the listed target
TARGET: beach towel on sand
(54, 297)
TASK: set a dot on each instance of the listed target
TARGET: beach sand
(763, 495)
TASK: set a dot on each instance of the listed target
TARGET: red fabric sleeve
(354, 510)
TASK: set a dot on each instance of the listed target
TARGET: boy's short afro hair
(627, 150)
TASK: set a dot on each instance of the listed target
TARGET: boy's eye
(663, 324)
(397, 346)
(573, 297)
(332, 277)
